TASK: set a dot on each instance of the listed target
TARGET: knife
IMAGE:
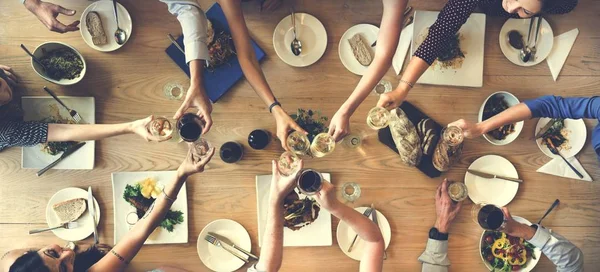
(228, 242)
(545, 128)
(92, 213)
(374, 218)
(492, 176)
(62, 157)
(366, 213)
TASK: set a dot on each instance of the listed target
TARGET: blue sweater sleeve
(569, 108)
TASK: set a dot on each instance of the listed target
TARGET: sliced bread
(361, 50)
(95, 28)
(70, 210)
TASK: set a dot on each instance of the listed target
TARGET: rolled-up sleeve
(565, 255)
(435, 257)
(194, 27)
(22, 133)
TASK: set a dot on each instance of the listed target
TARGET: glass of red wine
(488, 216)
(190, 127)
(309, 181)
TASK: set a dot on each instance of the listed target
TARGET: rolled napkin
(400, 55)
(558, 167)
(560, 51)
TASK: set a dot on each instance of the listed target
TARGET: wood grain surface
(127, 85)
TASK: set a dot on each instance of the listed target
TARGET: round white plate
(345, 234)
(577, 137)
(216, 258)
(492, 191)
(107, 15)
(544, 44)
(532, 262)
(369, 35)
(309, 31)
(84, 227)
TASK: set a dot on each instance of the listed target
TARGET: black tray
(415, 116)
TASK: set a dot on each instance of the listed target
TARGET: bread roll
(405, 137)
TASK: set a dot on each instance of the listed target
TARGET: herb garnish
(311, 121)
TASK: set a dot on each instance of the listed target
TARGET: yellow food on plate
(150, 188)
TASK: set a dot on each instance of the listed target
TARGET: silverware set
(227, 245)
(74, 114)
(528, 52)
(552, 148)
(68, 225)
(372, 214)
(366, 213)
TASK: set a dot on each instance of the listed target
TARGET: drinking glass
(352, 141)
(488, 216)
(161, 127)
(309, 181)
(322, 145)
(190, 127)
(298, 143)
(288, 163)
(351, 191)
(200, 148)
(449, 149)
(458, 191)
(382, 87)
(378, 118)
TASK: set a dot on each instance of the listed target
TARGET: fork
(74, 114)
(213, 240)
(555, 151)
(68, 225)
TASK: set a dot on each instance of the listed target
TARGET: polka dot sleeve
(449, 21)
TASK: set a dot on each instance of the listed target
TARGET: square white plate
(318, 233)
(37, 108)
(472, 43)
(122, 208)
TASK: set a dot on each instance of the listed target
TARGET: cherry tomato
(490, 258)
(489, 239)
(516, 267)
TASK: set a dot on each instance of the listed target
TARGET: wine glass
(458, 191)
(488, 216)
(378, 118)
(200, 148)
(298, 143)
(288, 163)
(161, 127)
(309, 181)
(322, 145)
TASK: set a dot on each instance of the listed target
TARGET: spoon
(120, 34)
(556, 202)
(296, 44)
(525, 53)
(33, 57)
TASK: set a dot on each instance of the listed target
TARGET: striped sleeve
(22, 133)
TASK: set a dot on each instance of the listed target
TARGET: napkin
(405, 39)
(558, 167)
(560, 50)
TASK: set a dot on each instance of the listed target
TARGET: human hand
(445, 209)
(285, 124)
(47, 12)
(196, 98)
(326, 196)
(11, 78)
(516, 229)
(392, 99)
(339, 126)
(194, 164)
(470, 130)
(269, 5)
(140, 127)
(282, 185)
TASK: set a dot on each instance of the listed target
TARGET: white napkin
(405, 39)
(560, 50)
(558, 167)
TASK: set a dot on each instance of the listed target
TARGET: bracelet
(168, 197)
(411, 85)
(276, 103)
(119, 256)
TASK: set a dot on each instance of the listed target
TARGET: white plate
(545, 40)
(107, 15)
(492, 191)
(309, 30)
(216, 258)
(345, 235)
(472, 44)
(577, 137)
(532, 262)
(122, 209)
(51, 46)
(511, 100)
(369, 34)
(84, 223)
(318, 233)
(39, 107)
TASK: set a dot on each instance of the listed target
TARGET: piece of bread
(70, 210)
(95, 28)
(405, 137)
(361, 50)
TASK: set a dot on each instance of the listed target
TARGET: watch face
(433, 233)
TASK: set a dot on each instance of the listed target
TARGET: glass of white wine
(288, 163)
(161, 127)
(200, 148)
(378, 118)
(322, 145)
(298, 143)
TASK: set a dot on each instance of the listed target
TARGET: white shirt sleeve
(435, 257)
(193, 24)
(565, 255)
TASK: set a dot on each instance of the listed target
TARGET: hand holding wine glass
(445, 208)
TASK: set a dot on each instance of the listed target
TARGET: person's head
(527, 8)
(5, 90)
(52, 258)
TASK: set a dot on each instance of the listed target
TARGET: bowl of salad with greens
(61, 63)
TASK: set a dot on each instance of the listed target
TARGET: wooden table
(127, 85)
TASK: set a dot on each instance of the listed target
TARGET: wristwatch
(435, 234)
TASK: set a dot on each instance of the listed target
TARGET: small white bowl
(50, 46)
(511, 100)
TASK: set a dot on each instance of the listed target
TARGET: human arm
(387, 42)
(47, 12)
(124, 251)
(565, 255)
(91, 132)
(251, 67)
(372, 259)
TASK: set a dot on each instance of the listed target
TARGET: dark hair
(33, 262)
(2, 74)
(84, 260)
(29, 262)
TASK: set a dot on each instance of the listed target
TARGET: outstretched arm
(91, 132)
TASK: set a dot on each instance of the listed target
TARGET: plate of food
(567, 135)
(492, 191)
(63, 64)
(217, 258)
(502, 252)
(355, 48)
(461, 62)
(309, 30)
(98, 25)
(345, 235)
(519, 29)
(70, 205)
(493, 105)
(134, 193)
(46, 109)
(306, 224)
